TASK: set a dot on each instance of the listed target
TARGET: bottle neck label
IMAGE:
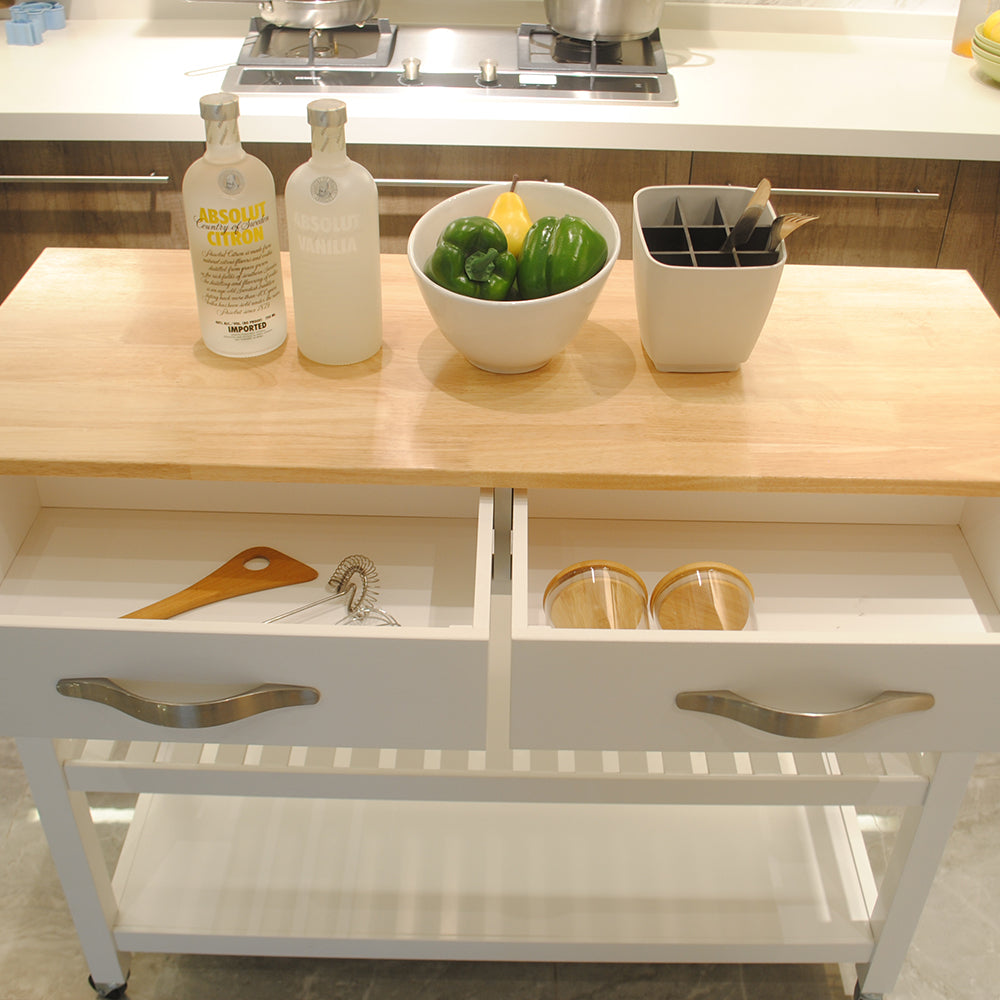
(323, 190)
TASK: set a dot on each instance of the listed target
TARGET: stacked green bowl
(985, 50)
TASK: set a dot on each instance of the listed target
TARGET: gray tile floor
(955, 954)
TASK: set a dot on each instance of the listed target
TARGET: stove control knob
(488, 73)
(411, 70)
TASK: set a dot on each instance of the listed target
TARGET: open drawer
(861, 602)
(78, 554)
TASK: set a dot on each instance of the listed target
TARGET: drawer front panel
(591, 693)
(854, 597)
(87, 553)
(396, 688)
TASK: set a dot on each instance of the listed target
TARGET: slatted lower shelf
(237, 875)
(505, 775)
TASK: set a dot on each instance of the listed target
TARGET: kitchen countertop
(861, 382)
(759, 79)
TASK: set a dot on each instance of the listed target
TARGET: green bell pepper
(471, 258)
(559, 254)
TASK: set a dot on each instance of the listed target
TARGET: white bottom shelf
(317, 877)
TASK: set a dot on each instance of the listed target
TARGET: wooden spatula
(232, 579)
(740, 233)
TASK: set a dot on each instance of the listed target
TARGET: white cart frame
(275, 836)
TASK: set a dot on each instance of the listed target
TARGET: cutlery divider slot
(682, 241)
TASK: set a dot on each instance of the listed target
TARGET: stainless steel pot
(604, 20)
(317, 13)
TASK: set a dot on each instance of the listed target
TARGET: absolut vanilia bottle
(333, 241)
(232, 223)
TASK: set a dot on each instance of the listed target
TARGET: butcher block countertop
(864, 380)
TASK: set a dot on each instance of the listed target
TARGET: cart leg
(920, 843)
(69, 830)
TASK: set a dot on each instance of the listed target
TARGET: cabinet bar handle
(187, 715)
(803, 725)
(837, 193)
(416, 182)
(153, 178)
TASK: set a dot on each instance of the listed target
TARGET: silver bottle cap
(326, 112)
(220, 107)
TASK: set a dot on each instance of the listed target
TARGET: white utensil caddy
(474, 784)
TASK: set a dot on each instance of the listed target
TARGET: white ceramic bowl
(511, 337)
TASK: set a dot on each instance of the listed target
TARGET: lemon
(991, 26)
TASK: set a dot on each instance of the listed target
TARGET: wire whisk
(355, 580)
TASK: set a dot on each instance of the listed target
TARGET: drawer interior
(885, 567)
(104, 549)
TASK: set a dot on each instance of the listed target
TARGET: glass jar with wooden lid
(704, 595)
(596, 593)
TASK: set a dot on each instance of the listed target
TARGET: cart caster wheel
(858, 995)
(108, 992)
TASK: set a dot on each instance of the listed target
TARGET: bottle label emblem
(323, 190)
(231, 182)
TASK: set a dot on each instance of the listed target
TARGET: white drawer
(79, 554)
(856, 596)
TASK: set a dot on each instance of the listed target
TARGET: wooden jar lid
(597, 593)
(726, 604)
(587, 564)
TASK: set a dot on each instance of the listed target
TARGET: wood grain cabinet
(88, 194)
(972, 237)
(873, 211)
(60, 209)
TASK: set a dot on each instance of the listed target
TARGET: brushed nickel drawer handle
(803, 725)
(187, 715)
(152, 178)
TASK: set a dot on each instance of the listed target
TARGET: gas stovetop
(529, 61)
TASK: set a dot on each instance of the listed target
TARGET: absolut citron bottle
(232, 224)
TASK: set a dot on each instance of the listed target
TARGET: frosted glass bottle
(333, 242)
(232, 224)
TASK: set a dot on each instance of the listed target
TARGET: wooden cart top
(864, 380)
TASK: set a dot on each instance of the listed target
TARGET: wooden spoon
(232, 579)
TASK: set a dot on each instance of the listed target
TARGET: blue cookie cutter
(29, 21)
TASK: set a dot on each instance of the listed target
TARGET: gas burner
(576, 51)
(540, 48)
(528, 62)
(272, 45)
(318, 46)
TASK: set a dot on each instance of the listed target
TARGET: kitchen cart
(474, 784)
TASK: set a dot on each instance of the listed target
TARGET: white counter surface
(748, 80)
